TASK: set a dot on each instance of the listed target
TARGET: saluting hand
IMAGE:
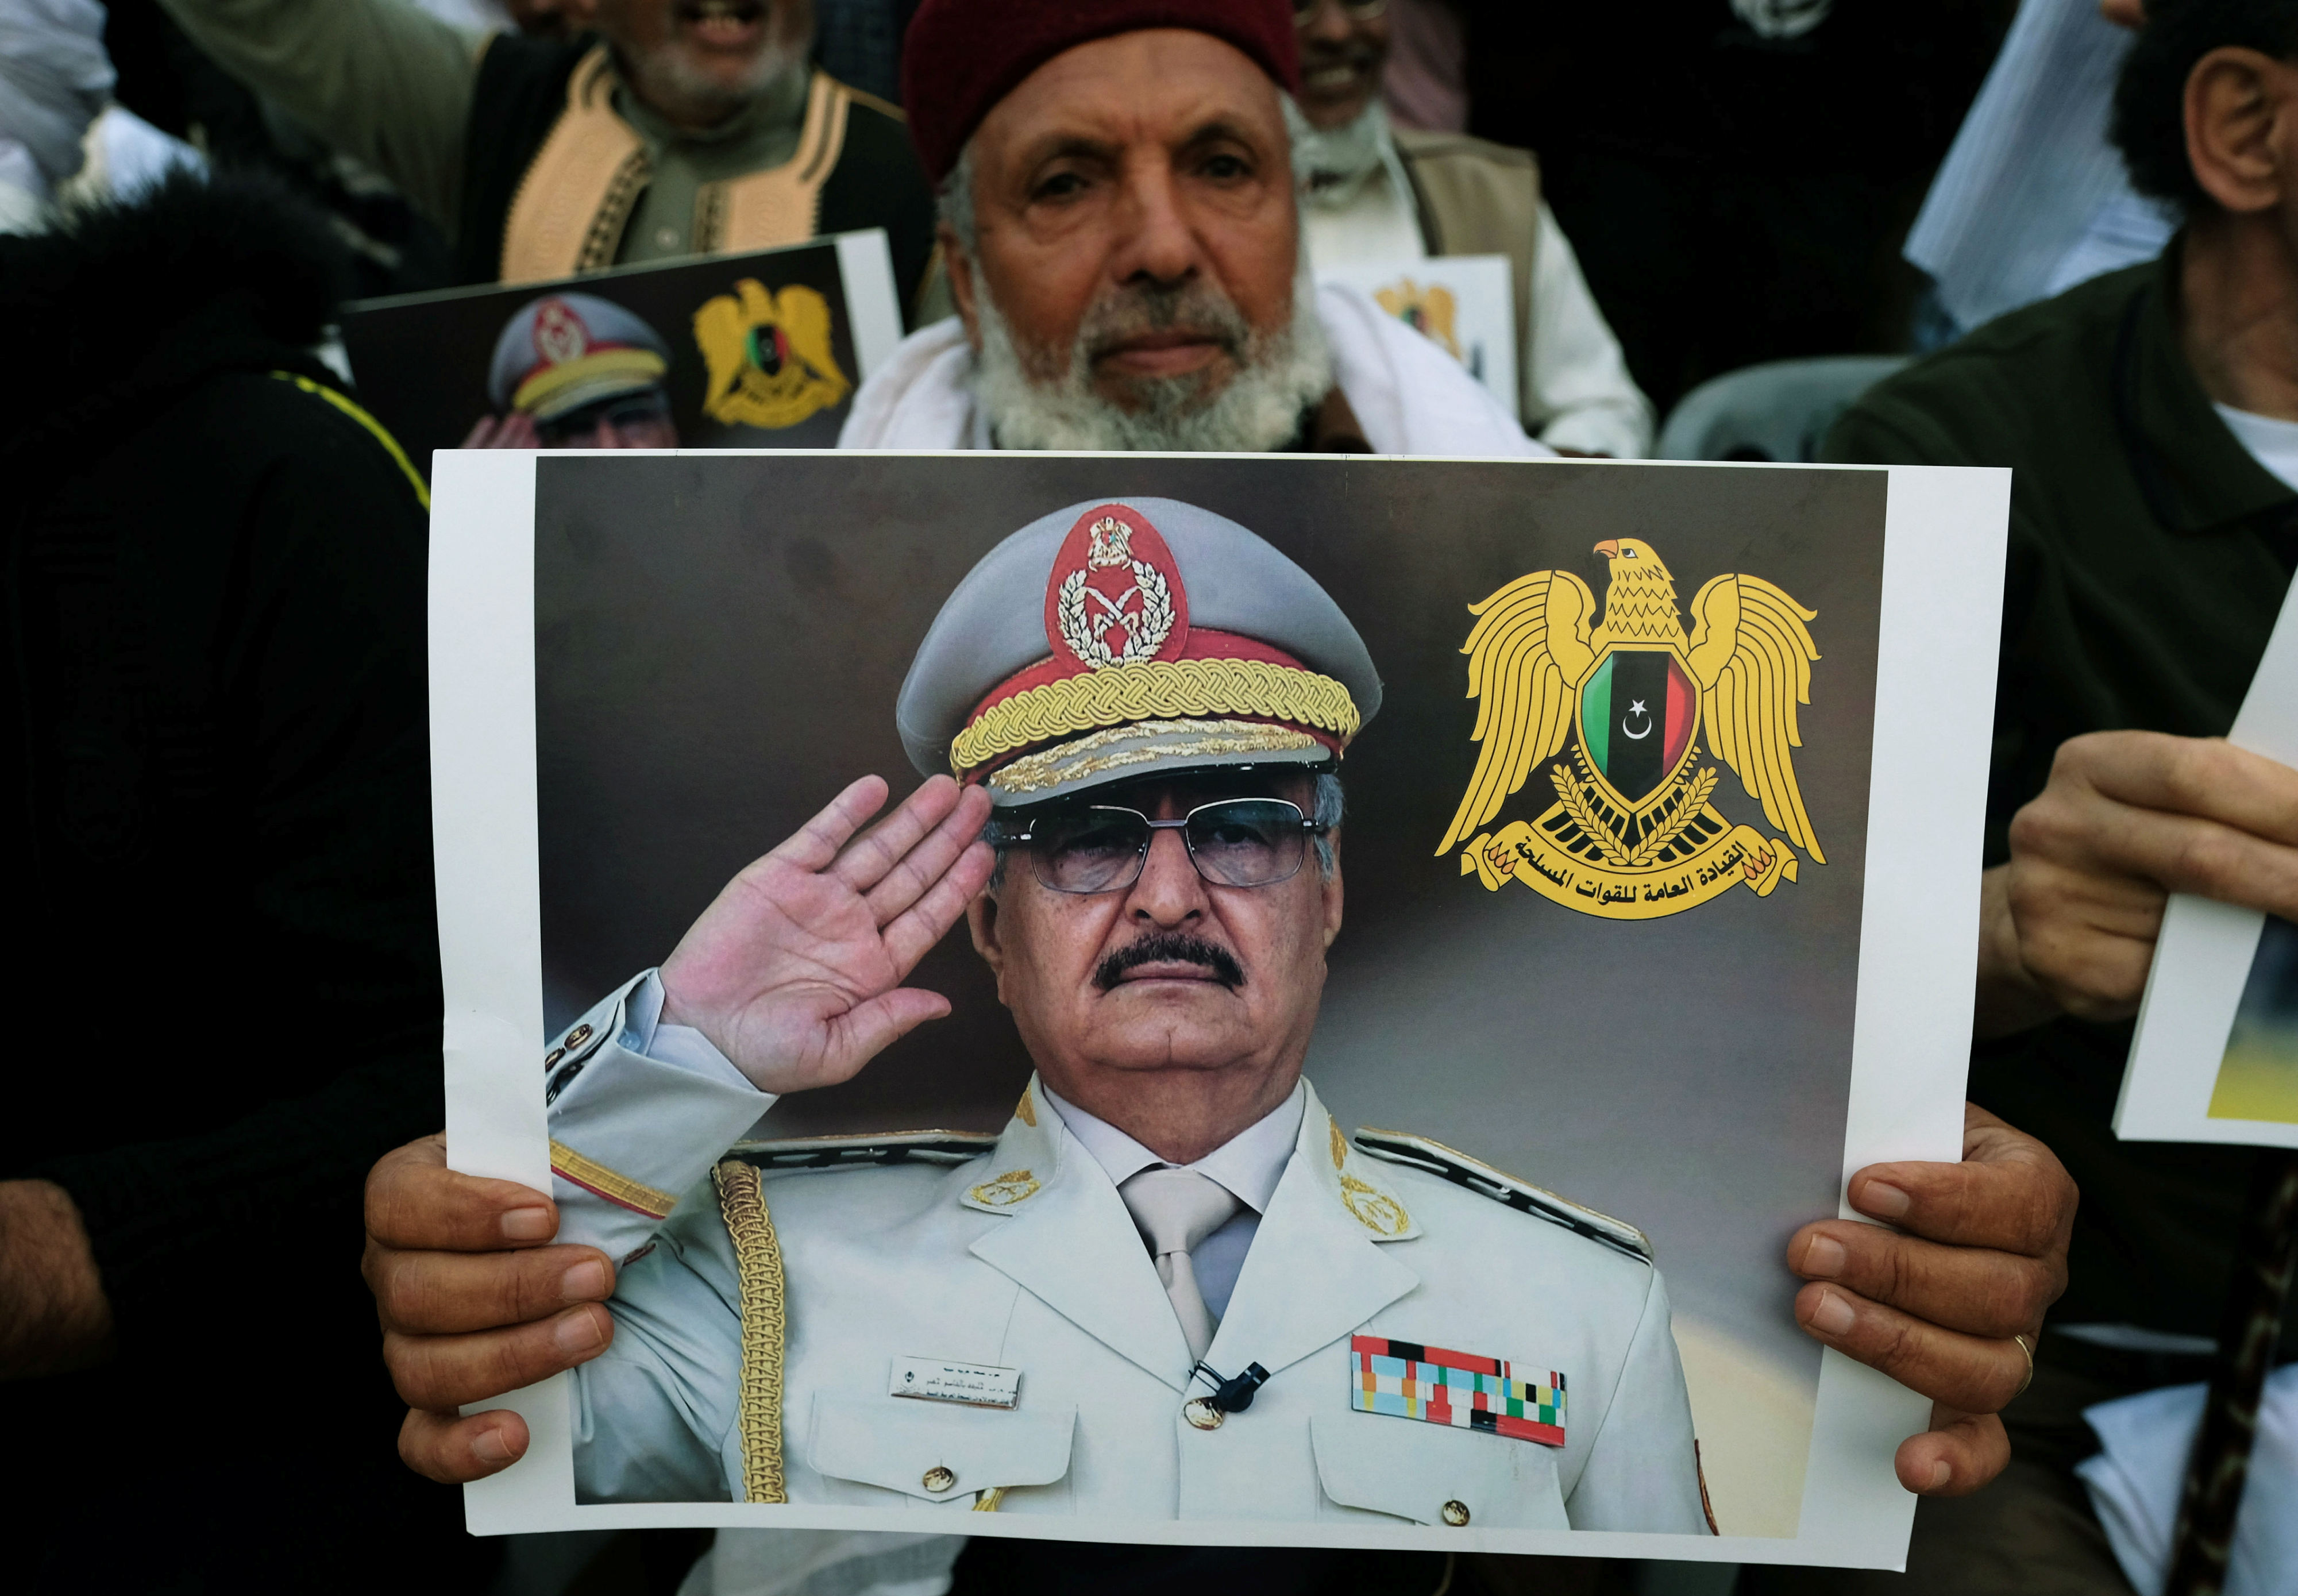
(794, 972)
(514, 431)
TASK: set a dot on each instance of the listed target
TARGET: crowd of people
(1106, 220)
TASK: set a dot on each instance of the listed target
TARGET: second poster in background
(759, 350)
(2215, 1055)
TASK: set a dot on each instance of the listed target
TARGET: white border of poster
(1944, 532)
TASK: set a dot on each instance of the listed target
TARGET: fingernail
(585, 1282)
(576, 1333)
(1883, 1201)
(490, 1447)
(1832, 1314)
(1940, 1474)
(526, 1224)
(1824, 1258)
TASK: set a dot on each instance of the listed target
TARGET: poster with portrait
(2215, 1055)
(758, 350)
(1663, 790)
(1464, 305)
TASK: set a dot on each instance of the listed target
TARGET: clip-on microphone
(1232, 1396)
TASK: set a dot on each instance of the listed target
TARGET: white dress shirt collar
(1249, 1164)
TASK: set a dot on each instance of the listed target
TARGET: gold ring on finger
(2027, 1347)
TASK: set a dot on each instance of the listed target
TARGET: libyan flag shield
(1638, 710)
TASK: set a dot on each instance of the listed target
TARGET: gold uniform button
(1456, 1513)
(578, 1035)
(1203, 1415)
(938, 1479)
(551, 1059)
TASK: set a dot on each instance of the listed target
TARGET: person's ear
(959, 268)
(982, 921)
(2242, 129)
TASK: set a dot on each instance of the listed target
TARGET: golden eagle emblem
(1429, 311)
(1633, 832)
(768, 355)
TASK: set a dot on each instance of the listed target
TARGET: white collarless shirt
(1247, 1166)
(2272, 442)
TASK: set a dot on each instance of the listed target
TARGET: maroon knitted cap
(961, 57)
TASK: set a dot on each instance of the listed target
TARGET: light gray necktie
(1174, 1211)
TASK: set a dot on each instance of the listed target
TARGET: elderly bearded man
(1384, 196)
(1123, 240)
(679, 128)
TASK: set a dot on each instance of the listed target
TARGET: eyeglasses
(1359, 11)
(622, 414)
(1237, 842)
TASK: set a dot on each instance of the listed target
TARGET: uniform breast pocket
(937, 1451)
(1433, 1473)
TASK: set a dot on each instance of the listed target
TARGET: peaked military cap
(1115, 639)
(565, 351)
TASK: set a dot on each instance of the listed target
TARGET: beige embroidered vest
(578, 193)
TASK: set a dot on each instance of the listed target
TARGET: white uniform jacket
(770, 1292)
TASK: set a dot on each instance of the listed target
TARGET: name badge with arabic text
(976, 1385)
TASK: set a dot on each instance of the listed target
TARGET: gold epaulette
(856, 1152)
(1418, 1152)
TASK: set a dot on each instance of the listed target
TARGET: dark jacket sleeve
(308, 1044)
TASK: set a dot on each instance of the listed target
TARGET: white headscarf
(54, 80)
(1408, 395)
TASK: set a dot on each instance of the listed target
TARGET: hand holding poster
(2215, 1056)
(1436, 1334)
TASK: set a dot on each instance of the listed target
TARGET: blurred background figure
(62, 139)
(2149, 417)
(57, 81)
(1426, 84)
(1379, 194)
(2033, 198)
(860, 42)
(576, 371)
(679, 128)
(170, 84)
(215, 763)
(1736, 176)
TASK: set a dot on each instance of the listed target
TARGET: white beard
(1332, 165)
(1280, 375)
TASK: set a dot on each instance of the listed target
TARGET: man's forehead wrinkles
(1067, 143)
(1114, 143)
(1107, 129)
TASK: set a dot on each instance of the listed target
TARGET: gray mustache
(1159, 947)
(1151, 308)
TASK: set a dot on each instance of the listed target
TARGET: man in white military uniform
(1055, 1320)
